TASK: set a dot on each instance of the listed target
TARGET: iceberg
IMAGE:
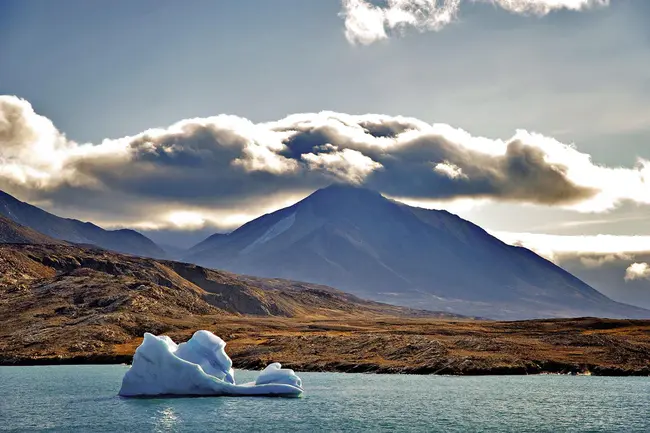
(198, 367)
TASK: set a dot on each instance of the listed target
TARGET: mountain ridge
(76, 231)
(360, 242)
(367, 245)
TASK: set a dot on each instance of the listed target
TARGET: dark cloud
(521, 174)
(388, 128)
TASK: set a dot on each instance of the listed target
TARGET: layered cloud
(208, 170)
(592, 250)
(368, 21)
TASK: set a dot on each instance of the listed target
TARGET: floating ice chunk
(198, 367)
(208, 351)
(274, 373)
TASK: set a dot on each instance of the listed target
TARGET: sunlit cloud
(450, 170)
(637, 271)
(554, 247)
(186, 219)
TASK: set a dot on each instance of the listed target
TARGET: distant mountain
(607, 271)
(360, 242)
(13, 233)
(177, 238)
(208, 244)
(75, 231)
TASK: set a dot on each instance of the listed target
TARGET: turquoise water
(83, 399)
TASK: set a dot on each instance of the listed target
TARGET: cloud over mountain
(227, 164)
(368, 21)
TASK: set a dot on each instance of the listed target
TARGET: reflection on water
(165, 420)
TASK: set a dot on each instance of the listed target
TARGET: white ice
(198, 367)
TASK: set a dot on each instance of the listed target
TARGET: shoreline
(532, 368)
(385, 345)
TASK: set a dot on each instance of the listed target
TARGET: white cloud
(450, 170)
(366, 22)
(637, 271)
(346, 165)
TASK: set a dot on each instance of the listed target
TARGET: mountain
(75, 231)
(13, 233)
(360, 242)
(208, 244)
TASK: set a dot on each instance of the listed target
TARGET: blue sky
(105, 70)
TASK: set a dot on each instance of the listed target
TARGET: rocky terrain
(439, 346)
(58, 300)
(65, 304)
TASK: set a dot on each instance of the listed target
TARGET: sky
(530, 118)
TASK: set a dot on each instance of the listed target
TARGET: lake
(84, 399)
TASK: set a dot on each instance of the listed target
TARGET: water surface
(84, 399)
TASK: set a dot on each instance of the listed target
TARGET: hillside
(360, 242)
(14, 233)
(55, 297)
(75, 231)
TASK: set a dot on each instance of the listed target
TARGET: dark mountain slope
(360, 242)
(75, 231)
(13, 233)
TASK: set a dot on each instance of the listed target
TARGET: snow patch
(276, 229)
(198, 367)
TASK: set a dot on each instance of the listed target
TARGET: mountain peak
(343, 193)
(343, 200)
(339, 187)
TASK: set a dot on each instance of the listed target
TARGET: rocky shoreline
(533, 368)
(588, 346)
